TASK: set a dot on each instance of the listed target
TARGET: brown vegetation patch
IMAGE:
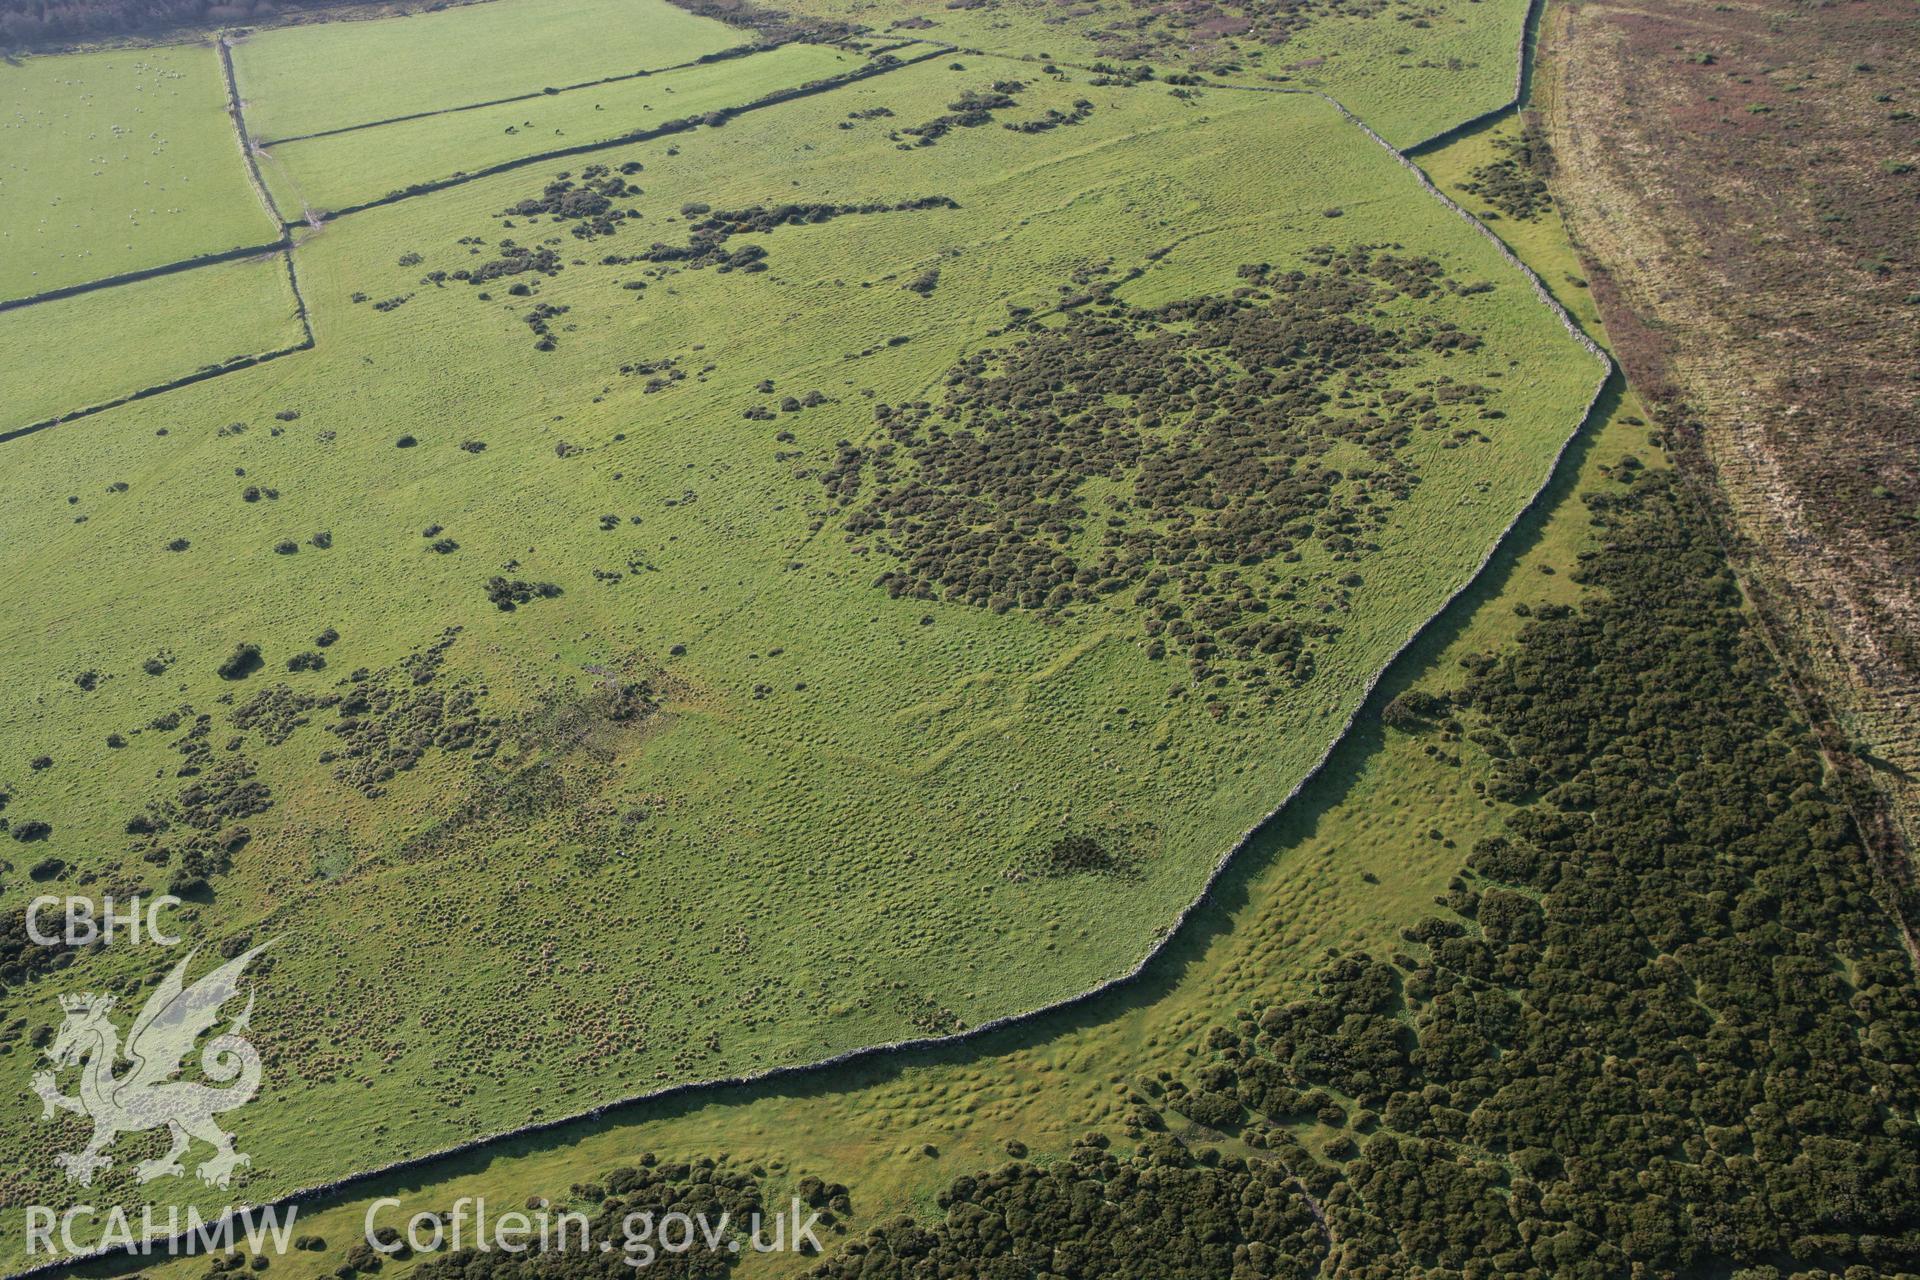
(1743, 178)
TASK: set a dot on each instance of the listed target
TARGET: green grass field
(115, 162)
(1411, 84)
(86, 350)
(811, 844)
(305, 79)
(1350, 864)
(348, 168)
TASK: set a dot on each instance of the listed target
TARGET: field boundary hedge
(147, 273)
(202, 374)
(705, 59)
(685, 125)
(238, 115)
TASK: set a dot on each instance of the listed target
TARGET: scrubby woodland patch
(773, 25)
(1157, 1212)
(195, 833)
(1094, 851)
(588, 204)
(1745, 178)
(1053, 118)
(22, 960)
(383, 722)
(507, 594)
(1211, 424)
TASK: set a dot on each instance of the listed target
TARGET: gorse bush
(1516, 183)
(241, 663)
(507, 594)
